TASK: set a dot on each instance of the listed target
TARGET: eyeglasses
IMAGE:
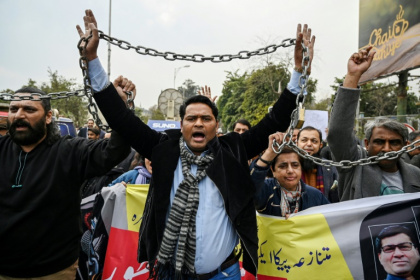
(405, 246)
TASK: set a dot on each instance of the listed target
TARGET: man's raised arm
(341, 139)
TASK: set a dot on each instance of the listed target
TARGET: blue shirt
(215, 235)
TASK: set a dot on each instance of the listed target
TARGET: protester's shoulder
(5, 139)
(410, 167)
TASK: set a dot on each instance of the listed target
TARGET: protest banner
(122, 212)
(335, 241)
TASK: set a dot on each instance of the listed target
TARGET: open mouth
(21, 126)
(198, 136)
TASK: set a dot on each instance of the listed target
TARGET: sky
(41, 35)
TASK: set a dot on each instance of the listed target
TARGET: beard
(30, 136)
(309, 165)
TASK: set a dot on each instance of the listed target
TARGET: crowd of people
(205, 187)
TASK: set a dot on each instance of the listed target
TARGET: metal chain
(288, 141)
(349, 164)
(195, 57)
(300, 99)
(36, 96)
(277, 148)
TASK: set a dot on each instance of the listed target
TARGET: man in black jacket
(41, 175)
(200, 201)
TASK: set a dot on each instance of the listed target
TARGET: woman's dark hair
(286, 150)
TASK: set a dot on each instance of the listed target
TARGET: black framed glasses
(405, 246)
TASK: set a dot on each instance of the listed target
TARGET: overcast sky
(38, 35)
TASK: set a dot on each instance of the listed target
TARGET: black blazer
(229, 170)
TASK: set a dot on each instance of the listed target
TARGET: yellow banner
(135, 200)
(298, 248)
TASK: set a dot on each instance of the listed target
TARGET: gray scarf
(180, 232)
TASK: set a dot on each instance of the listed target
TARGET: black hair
(286, 150)
(95, 130)
(391, 231)
(53, 132)
(310, 128)
(198, 99)
(242, 121)
(46, 104)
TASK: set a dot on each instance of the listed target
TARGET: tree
(72, 107)
(188, 89)
(380, 99)
(250, 95)
(231, 99)
(156, 113)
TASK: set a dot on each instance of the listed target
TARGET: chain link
(38, 97)
(196, 57)
(300, 99)
(288, 141)
(347, 163)
(277, 148)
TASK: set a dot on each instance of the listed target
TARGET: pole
(402, 96)
(109, 44)
(176, 70)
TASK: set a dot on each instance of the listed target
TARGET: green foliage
(188, 89)
(323, 104)
(156, 113)
(139, 113)
(231, 99)
(73, 107)
(380, 99)
(249, 96)
(412, 99)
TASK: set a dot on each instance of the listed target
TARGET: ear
(320, 146)
(181, 126)
(48, 117)
(367, 144)
(379, 257)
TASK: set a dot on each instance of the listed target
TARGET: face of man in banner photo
(398, 255)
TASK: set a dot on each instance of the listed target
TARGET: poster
(393, 29)
(337, 241)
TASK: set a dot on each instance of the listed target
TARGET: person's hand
(207, 92)
(269, 155)
(123, 85)
(305, 37)
(358, 64)
(91, 27)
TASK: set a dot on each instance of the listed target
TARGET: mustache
(19, 123)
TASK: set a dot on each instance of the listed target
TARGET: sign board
(317, 119)
(393, 29)
(163, 125)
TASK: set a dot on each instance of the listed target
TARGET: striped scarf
(289, 197)
(314, 178)
(179, 236)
